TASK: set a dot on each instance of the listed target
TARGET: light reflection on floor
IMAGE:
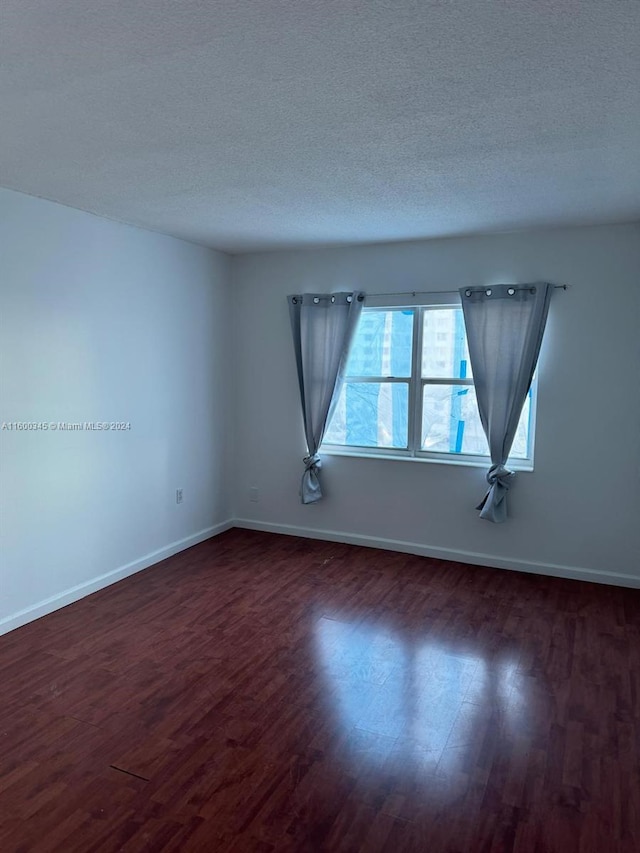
(421, 698)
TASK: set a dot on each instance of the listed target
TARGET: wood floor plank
(267, 693)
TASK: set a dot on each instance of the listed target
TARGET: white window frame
(415, 385)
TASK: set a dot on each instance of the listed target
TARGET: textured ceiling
(265, 124)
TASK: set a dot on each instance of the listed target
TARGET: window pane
(370, 414)
(451, 423)
(382, 344)
(445, 354)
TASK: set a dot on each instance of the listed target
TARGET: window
(409, 391)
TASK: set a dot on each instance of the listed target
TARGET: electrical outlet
(253, 494)
(178, 496)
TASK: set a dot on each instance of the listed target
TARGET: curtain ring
(467, 293)
(333, 299)
(511, 291)
(488, 291)
(349, 298)
(316, 300)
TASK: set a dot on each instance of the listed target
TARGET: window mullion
(378, 379)
(446, 381)
(415, 387)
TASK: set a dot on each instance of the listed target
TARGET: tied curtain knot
(499, 474)
(493, 505)
(312, 463)
(310, 490)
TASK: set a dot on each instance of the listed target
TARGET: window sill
(467, 462)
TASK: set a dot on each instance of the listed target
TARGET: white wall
(104, 322)
(577, 514)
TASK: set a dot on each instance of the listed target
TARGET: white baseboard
(479, 559)
(68, 596)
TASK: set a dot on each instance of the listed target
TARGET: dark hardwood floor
(265, 693)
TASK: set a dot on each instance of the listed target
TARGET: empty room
(320, 426)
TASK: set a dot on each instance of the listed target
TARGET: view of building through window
(402, 399)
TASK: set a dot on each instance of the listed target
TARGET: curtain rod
(363, 296)
(431, 292)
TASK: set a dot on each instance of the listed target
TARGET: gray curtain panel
(323, 325)
(505, 325)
